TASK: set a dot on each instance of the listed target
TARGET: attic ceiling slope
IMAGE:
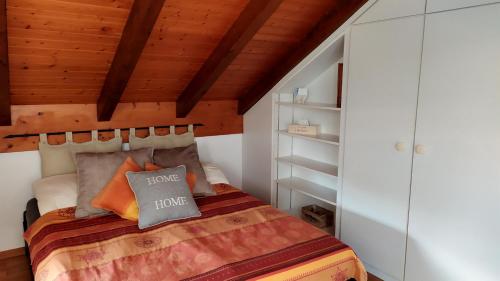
(61, 51)
(325, 27)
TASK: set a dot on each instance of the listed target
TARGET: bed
(237, 237)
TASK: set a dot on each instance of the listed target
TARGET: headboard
(210, 118)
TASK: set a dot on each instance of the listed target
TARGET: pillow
(190, 177)
(214, 174)
(59, 159)
(55, 192)
(161, 142)
(187, 156)
(95, 170)
(55, 159)
(117, 196)
(162, 195)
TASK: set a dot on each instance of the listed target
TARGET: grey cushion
(95, 170)
(162, 195)
(187, 156)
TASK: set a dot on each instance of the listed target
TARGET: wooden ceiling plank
(139, 26)
(5, 113)
(234, 41)
(325, 27)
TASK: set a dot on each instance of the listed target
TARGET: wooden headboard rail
(27, 142)
(101, 136)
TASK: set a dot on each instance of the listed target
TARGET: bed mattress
(237, 237)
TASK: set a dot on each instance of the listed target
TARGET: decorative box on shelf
(307, 130)
(317, 216)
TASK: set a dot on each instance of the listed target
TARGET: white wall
(18, 170)
(257, 149)
(226, 152)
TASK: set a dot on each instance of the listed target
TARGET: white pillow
(55, 192)
(214, 174)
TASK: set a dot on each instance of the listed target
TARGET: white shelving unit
(307, 167)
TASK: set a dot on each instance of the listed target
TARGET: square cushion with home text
(190, 177)
(162, 195)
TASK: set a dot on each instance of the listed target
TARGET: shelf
(310, 164)
(311, 189)
(311, 105)
(324, 138)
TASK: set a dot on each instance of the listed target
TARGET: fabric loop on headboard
(117, 133)
(95, 135)
(43, 138)
(190, 128)
(132, 132)
(172, 130)
(69, 137)
(151, 131)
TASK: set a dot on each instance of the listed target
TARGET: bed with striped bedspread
(237, 238)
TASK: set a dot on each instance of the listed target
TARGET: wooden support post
(241, 32)
(5, 118)
(139, 26)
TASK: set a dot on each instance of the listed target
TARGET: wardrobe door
(442, 5)
(384, 67)
(454, 226)
(391, 9)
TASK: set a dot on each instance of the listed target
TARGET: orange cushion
(117, 196)
(190, 177)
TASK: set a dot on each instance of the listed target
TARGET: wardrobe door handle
(419, 149)
(400, 146)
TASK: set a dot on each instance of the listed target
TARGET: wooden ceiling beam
(5, 118)
(236, 38)
(323, 29)
(140, 23)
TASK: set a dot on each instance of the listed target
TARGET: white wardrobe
(421, 165)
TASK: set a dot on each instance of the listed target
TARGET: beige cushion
(55, 192)
(56, 159)
(59, 159)
(187, 156)
(97, 146)
(95, 170)
(161, 142)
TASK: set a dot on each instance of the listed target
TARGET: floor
(373, 278)
(17, 269)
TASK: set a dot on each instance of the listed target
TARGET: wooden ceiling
(61, 51)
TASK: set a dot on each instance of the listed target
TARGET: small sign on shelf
(300, 95)
(306, 130)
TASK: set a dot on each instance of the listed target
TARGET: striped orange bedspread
(237, 238)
